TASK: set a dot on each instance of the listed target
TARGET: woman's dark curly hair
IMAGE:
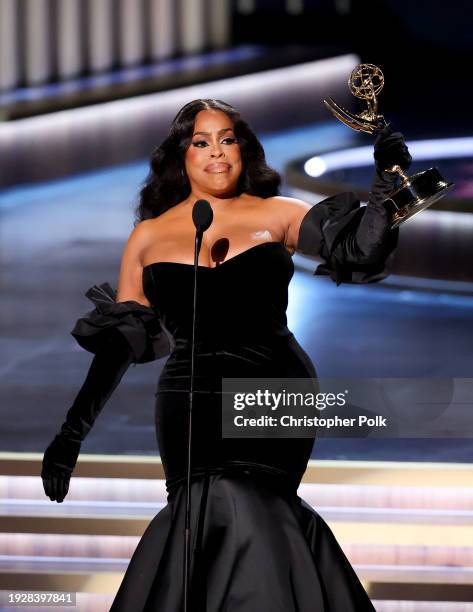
(167, 184)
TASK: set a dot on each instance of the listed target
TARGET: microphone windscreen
(202, 215)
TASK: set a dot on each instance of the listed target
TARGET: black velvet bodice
(243, 297)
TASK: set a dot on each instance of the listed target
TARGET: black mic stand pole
(198, 243)
(202, 216)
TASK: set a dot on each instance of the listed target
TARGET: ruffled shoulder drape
(138, 324)
(355, 242)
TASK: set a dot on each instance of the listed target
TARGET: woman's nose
(216, 151)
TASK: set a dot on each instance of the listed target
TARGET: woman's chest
(231, 233)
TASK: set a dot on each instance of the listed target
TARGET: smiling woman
(256, 545)
(168, 182)
(213, 161)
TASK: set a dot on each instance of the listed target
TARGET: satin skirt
(257, 547)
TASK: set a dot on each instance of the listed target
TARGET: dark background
(423, 47)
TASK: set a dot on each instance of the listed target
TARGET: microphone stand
(198, 243)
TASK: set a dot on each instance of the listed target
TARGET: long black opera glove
(356, 243)
(106, 370)
(390, 149)
(118, 333)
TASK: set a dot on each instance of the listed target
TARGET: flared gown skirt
(256, 547)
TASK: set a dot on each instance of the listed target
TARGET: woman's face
(213, 161)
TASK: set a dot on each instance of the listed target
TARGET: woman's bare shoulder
(288, 204)
(148, 229)
(142, 233)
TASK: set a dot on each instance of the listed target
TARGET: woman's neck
(217, 201)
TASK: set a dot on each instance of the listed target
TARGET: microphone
(202, 215)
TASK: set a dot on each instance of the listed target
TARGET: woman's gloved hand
(390, 149)
(59, 462)
(107, 369)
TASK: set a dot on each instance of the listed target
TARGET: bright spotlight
(315, 166)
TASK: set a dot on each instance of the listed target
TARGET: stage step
(409, 542)
(45, 545)
(96, 602)
(143, 491)
(422, 606)
(373, 514)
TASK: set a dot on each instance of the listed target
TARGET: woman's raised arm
(354, 242)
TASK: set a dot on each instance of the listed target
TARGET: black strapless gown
(257, 546)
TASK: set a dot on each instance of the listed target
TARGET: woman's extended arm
(119, 332)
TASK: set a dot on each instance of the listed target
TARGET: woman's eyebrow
(219, 132)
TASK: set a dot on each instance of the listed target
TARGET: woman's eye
(203, 143)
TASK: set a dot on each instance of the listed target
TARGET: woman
(256, 546)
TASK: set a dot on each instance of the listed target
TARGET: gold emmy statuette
(416, 192)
